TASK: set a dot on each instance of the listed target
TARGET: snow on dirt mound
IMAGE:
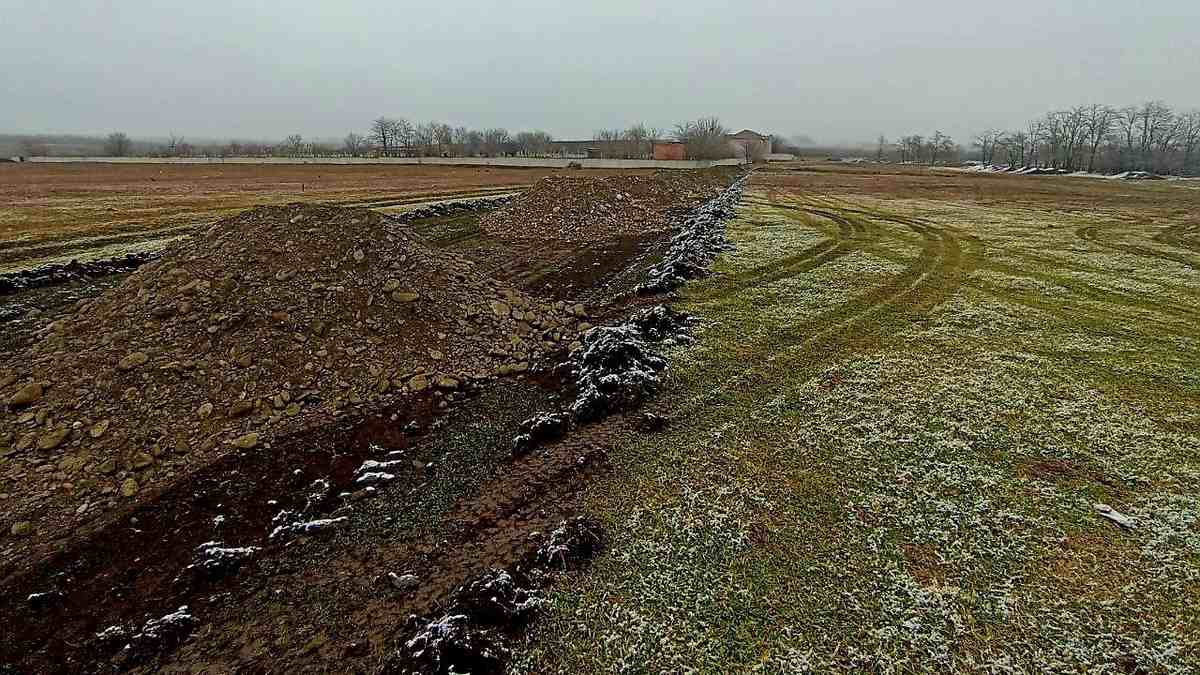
(589, 208)
(271, 321)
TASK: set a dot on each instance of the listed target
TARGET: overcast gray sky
(834, 69)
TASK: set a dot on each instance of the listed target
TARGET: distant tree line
(1098, 138)
(703, 138)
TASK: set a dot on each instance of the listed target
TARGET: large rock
(133, 360)
(246, 441)
(26, 395)
(53, 438)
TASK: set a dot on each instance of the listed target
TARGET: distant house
(577, 149)
(751, 144)
(669, 150)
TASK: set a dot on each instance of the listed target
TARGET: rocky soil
(586, 209)
(273, 321)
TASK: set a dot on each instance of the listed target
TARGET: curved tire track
(852, 235)
(1091, 234)
(863, 324)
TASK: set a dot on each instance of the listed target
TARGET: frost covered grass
(885, 450)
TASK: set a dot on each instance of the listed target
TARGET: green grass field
(887, 444)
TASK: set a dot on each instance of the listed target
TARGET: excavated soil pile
(586, 209)
(276, 320)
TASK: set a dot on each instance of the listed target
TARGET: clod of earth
(465, 638)
(614, 370)
(539, 428)
(448, 645)
(290, 530)
(661, 323)
(572, 542)
(403, 582)
(156, 636)
(214, 561)
(42, 601)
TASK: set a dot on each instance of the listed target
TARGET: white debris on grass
(289, 530)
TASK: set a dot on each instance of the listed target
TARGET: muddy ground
(462, 504)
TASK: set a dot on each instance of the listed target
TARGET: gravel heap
(579, 208)
(278, 319)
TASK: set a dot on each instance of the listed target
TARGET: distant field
(46, 208)
(886, 447)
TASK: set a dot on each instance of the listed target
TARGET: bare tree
(383, 134)
(941, 147)
(533, 143)
(175, 146)
(1099, 124)
(704, 138)
(609, 142)
(1155, 119)
(986, 142)
(405, 136)
(639, 139)
(354, 144)
(117, 144)
(422, 143)
(1016, 146)
(494, 141)
(882, 144)
(443, 137)
(293, 146)
(473, 143)
(1189, 141)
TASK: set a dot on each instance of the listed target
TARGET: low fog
(842, 71)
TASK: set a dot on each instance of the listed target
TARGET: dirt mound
(580, 208)
(278, 319)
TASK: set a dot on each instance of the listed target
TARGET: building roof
(748, 134)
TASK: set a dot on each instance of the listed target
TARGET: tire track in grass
(1073, 285)
(1092, 234)
(852, 235)
(1098, 320)
(1185, 236)
(866, 323)
(1113, 296)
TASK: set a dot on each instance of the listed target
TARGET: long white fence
(543, 162)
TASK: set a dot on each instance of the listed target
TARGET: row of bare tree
(397, 137)
(1098, 138)
(917, 149)
(704, 138)
(636, 142)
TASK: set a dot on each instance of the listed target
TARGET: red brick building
(669, 150)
